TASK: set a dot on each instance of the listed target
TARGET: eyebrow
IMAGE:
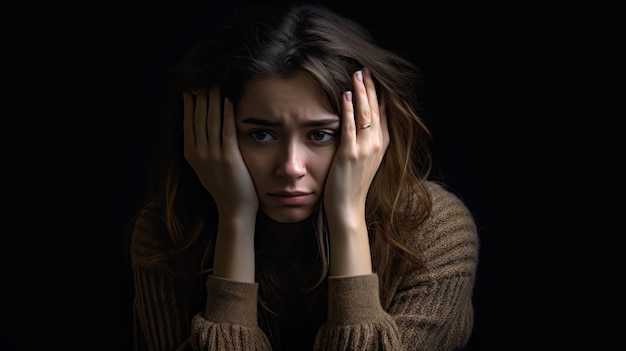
(272, 123)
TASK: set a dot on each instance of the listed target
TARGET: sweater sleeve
(356, 320)
(230, 318)
(431, 308)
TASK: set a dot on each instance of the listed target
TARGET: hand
(360, 151)
(213, 152)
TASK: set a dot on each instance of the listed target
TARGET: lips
(291, 198)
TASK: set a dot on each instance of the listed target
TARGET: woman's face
(288, 135)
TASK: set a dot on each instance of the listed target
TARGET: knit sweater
(430, 309)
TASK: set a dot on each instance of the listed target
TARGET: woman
(296, 210)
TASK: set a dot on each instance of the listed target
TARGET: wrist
(234, 250)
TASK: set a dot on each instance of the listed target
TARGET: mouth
(291, 198)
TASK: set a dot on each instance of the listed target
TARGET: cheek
(320, 162)
(255, 162)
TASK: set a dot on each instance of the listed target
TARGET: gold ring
(365, 126)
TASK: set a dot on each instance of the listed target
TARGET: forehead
(273, 97)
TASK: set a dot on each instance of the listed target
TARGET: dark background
(98, 74)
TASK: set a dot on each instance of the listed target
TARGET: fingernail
(366, 71)
(347, 96)
(359, 75)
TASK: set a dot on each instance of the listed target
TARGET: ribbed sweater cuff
(231, 302)
(353, 300)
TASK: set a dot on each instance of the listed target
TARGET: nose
(291, 164)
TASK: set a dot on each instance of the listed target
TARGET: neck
(289, 240)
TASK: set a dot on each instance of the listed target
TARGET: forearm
(234, 250)
(349, 246)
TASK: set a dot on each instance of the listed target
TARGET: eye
(261, 135)
(321, 136)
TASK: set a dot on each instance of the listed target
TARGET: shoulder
(450, 230)
(149, 236)
(448, 208)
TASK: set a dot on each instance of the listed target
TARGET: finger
(188, 123)
(363, 112)
(383, 124)
(348, 127)
(229, 133)
(200, 116)
(214, 124)
(372, 98)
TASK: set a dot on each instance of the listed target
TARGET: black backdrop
(107, 62)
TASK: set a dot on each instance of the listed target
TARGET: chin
(289, 215)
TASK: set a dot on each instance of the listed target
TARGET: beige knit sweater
(431, 309)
